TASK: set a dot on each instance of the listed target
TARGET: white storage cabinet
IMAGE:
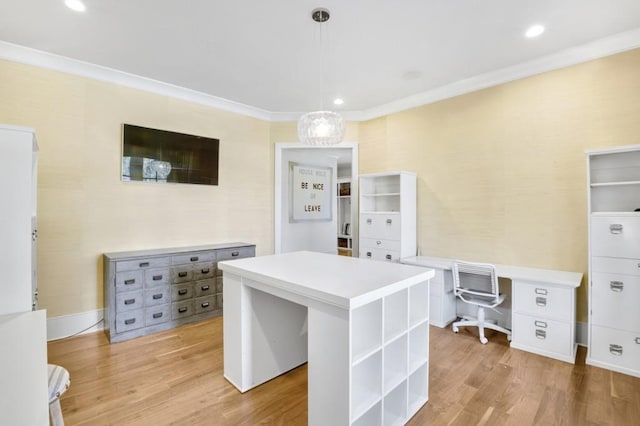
(614, 258)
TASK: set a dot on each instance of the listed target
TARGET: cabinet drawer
(382, 226)
(614, 300)
(615, 236)
(129, 280)
(543, 334)
(204, 270)
(157, 296)
(157, 314)
(156, 277)
(142, 263)
(235, 253)
(205, 304)
(181, 274)
(195, 257)
(543, 301)
(393, 245)
(182, 309)
(181, 291)
(379, 254)
(205, 287)
(129, 301)
(616, 265)
(616, 347)
(126, 321)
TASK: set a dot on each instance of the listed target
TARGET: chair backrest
(473, 281)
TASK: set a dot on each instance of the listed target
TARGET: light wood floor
(175, 377)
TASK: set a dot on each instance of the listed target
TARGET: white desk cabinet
(363, 327)
(614, 258)
(387, 215)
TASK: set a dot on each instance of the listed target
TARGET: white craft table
(362, 326)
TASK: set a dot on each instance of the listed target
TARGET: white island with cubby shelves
(362, 326)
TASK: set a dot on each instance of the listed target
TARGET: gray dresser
(153, 290)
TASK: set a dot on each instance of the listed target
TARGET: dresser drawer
(617, 347)
(204, 270)
(195, 257)
(393, 245)
(205, 287)
(182, 309)
(235, 253)
(205, 304)
(614, 300)
(615, 236)
(543, 334)
(157, 296)
(129, 301)
(543, 301)
(129, 280)
(156, 277)
(383, 226)
(616, 265)
(181, 274)
(181, 291)
(126, 321)
(146, 263)
(157, 314)
(379, 254)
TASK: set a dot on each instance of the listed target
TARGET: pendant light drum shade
(321, 128)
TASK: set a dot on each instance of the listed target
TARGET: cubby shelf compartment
(418, 389)
(366, 385)
(395, 315)
(366, 330)
(419, 303)
(373, 417)
(418, 346)
(395, 363)
(395, 406)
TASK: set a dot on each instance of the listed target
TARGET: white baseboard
(68, 325)
(582, 333)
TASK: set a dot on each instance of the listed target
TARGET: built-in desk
(541, 313)
(362, 325)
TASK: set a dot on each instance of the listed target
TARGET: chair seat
(58, 382)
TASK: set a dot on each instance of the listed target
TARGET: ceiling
(377, 55)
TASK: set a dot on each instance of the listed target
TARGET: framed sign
(310, 195)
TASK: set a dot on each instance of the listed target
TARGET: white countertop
(347, 282)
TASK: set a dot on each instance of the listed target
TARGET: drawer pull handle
(205, 305)
(388, 221)
(541, 334)
(129, 321)
(182, 274)
(540, 324)
(194, 258)
(157, 277)
(204, 288)
(378, 242)
(182, 310)
(157, 296)
(235, 254)
(615, 228)
(206, 270)
(129, 282)
(616, 286)
(130, 301)
(182, 292)
(157, 315)
(637, 340)
(541, 301)
(388, 257)
(144, 264)
(542, 291)
(369, 221)
(615, 350)
(368, 254)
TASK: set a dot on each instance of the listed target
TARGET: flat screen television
(153, 155)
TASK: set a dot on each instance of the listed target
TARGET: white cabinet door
(615, 236)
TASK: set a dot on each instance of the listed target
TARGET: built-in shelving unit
(614, 258)
(390, 356)
(345, 218)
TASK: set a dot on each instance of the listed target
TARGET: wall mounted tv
(153, 155)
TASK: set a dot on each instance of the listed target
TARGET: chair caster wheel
(455, 329)
(509, 337)
(484, 340)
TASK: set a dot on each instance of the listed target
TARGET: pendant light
(321, 127)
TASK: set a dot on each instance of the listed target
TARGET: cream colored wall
(502, 172)
(84, 209)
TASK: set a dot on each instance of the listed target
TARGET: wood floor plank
(175, 377)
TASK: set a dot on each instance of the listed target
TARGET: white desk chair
(58, 384)
(477, 284)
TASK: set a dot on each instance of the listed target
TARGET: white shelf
(395, 363)
(366, 330)
(418, 303)
(388, 194)
(418, 347)
(367, 385)
(418, 389)
(385, 212)
(372, 417)
(395, 406)
(606, 184)
(395, 315)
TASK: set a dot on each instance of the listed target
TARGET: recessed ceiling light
(76, 5)
(534, 31)
(338, 101)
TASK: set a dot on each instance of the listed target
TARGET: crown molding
(597, 49)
